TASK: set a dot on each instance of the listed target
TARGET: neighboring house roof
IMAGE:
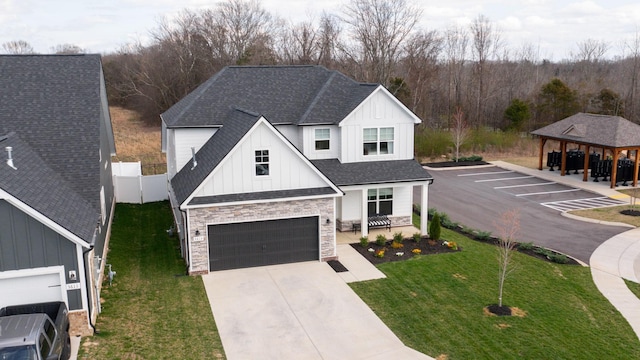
(372, 172)
(300, 95)
(602, 130)
(35, 184)
(53, 102)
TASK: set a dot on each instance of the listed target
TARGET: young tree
(459, 131)
(434, 227)
(507, 228)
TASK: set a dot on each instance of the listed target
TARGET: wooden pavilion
(593, 132)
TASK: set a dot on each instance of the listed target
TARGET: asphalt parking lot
(477, 197)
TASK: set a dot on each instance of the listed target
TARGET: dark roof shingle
(283, 94)
(603, 130)
(372, 172)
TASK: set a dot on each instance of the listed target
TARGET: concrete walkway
(297, 311)
(614, 260)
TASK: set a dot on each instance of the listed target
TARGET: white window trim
(378, 141)
(268, 162)
(316, 139)
(377, 200)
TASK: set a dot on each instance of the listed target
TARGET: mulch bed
(408, 245)
(630, 212)
(446, 164)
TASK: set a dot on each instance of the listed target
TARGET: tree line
(435, 73)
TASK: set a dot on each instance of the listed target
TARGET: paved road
(476, 197)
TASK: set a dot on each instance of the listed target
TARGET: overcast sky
(553, 27)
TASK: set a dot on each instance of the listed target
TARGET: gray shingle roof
(372, 172)
(283, 94)
(212, 152)
(264, 195)
(603, 130)
(43, 189)
(53, 103)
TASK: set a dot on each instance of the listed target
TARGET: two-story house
(267, 162)
(56, 188)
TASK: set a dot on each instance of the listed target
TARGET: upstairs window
(380, 201)
(322, 139)
(262, 162)
(378, 141)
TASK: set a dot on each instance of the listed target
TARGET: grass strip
(435, 305)
(151, 310)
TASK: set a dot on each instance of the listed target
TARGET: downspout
(88, 282)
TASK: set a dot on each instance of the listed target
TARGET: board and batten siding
(237, 174)
(350, 206)
(309, 141)
(26, 243)
(379, 110)
(181, 141)
(292, 133)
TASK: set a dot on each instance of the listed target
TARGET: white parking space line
(487, 173)
(580, 204)
(549, 192)
(502, 179)
(523, 185)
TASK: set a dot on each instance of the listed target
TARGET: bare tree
(378, 29)
(507, 228)
(420, 66)
(17, 47)
(591, 50)
(459, 131)
(246, 25)
(486, 41)
(66, 49)
(456, 48)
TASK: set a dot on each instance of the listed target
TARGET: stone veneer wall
(79, 323)
(347, 225)
(201, 217)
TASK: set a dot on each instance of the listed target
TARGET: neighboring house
(266, 162)
(56, 192)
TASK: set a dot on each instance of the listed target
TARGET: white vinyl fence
(134, 188)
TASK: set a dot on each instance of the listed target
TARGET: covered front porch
(349, 237)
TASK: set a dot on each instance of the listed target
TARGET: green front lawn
(152, 310)
(435, 305)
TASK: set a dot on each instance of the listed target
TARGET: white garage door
(31, 286)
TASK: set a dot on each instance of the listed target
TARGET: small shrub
(483, 235)
(417, 237)
(416, 251)
(525, 246)
(559, 258)
(543, 252)
(364, 241)
(466, 230)
(381, 240)
(379, 253)
(431, 212)
(396, 245)
(397, 237)
(434, 227)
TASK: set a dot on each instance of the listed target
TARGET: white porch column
(364, 222)
(424, 209)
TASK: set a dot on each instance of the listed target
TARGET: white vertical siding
(351, 204)
(236, 174)
(378, 111)
(309, 142)
(291, 133)
(185, 139)
(402, 200)
(171, 154)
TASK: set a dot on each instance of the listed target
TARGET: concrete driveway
(297, 311)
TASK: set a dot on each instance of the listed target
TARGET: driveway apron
(297, 311)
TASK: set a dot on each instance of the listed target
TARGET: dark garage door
(260, 243)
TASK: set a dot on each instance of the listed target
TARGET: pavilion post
(614, 168)
(635, 170)
(585, 175)
(563, 157)
(541, 153)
